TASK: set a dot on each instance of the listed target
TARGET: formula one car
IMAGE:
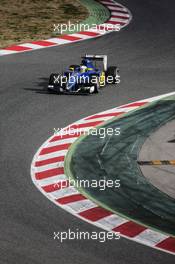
(86, 77)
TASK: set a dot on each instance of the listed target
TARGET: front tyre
(54, 83)
(94, 81)
(97, 86)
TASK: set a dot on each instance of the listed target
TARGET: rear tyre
(112, 75)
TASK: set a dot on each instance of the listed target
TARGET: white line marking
(118, 19)
(62, 141)
(64, 192)
(119, 14)
(52, 180)
(30, 45)
(112, 221)
(150, 237)
(59, 164)
(59, 40)
(82, 36)
(81, 206)
(53, 155)
(5, 52)
(117, 8)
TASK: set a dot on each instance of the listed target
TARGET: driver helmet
(83, 68)
(85, 62)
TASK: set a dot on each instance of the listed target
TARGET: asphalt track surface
(145, 53)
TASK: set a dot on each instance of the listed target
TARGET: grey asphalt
(159, 147)
(144, 52)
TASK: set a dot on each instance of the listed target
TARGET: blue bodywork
(77, 79)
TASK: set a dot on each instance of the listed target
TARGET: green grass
(25, 20)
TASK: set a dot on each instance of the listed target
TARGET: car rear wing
(98, 58)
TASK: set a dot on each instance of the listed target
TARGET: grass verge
(25, 20)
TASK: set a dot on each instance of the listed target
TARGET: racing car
(88, 77)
